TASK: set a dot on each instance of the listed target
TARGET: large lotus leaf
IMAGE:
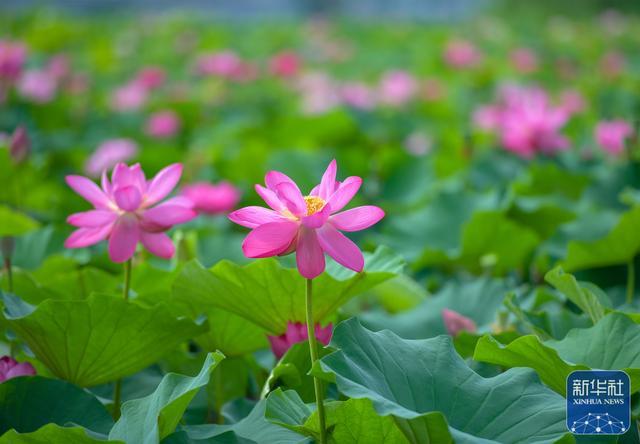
(612, 344)
(15, 223)
(98, 339)
(53, 434)
(547, 179)
(413, 379)
(619, 246)
(589, 298)
(478, 299)
(147, 420)
(349, 422)
(270, 295)
(28, 403)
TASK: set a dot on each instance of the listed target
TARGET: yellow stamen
(314, 204)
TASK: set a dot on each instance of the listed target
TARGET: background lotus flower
(297, 332)
(524, 60)
(58, 67)
(129, 97)
(462, 54)
(39, 86)
(358, 95)
(208, 198)
(397, 88)
(20, 144)
(12, 58)
(223, 64)
(454, 322)
(163, 124)
(10, 368)
(611, 135)
(127, 211)
(151, 77)
(108, 154)
(285, 64)
(309, 225)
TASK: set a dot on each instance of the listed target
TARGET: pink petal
(252, 217)
(168, 214)
(106, 185)
(22, 369)
(270, 198)
(344, 193)
(269, 239)
(124, 238)
(158, 244)
(88, 190)
(318, 219)
(454, 322)
(309, 255)
(121, 175)
(279, 345)
(328, 182)
(128, 198)
(358, 218)
(275, 178)
(290, 195)
(93, 218)
(163, 183)
(340, 248)
(84, 237)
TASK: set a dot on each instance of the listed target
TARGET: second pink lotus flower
(309, 225)
(127, 211)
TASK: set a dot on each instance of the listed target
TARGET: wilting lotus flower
(12, 58)
(151, 77)
(285, 64)
(126, 212)
(129, 97)
(454, 322)
(20, 144)
(308, 225)
(208, 198)
(358, 95)
(397, 88)
(37, 86)
(163, 124)
(297, 332)
(10, 368)
(108, 154)
(524, 60)
(611, 135)
(462, 54)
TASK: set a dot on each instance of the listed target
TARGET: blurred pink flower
(208, 198)
(454, 322)
(308, 224)
(163, 124)
(12, 58)
(397, 88)
(432, 90)
(19, 144)
(10, 368)
(524, 60)
(611, 135)
(488, 117)
(108, 154)
(297, 332)
(126, 212)
(418, 143)
(462, 54)
(129, 97)
(358, 95)
(285, 64)
(223, 64)
(612, 64)
(319, 93)
(58, 67)
(572, 101)
(38, 86)
(150, 77)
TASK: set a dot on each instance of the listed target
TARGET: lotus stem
(313, 350)
(631, 280)
(7, 266)
(125, 295)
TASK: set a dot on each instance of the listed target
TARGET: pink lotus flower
(208, 198)
(319, 93)
(612, 64)
(462, 54)
(358, 95)
(126, 212)
(12, 58)
(58, 67)
(285, 64)
(418, 143)
(129, 97)
(297, 332)
(37, 86)
(226, 64)
(397, 88)
(20, 144)
(10, 368)
(108, 154)
(524, 60)
(611, 135)
(163, 124)
(572, 101)
(454, 322)
(308, 225)
(150, 77)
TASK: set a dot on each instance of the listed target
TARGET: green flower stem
(313, 349)
(7, 266)
(125, 295)
(631, 281)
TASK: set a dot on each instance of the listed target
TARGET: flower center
(314, 204)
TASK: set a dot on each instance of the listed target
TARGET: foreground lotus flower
(308, 225)
(454, 322)
(110, 153)
(10, 368)
(611, 135)
(297, 332)
(208, 198)
(126, 212)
